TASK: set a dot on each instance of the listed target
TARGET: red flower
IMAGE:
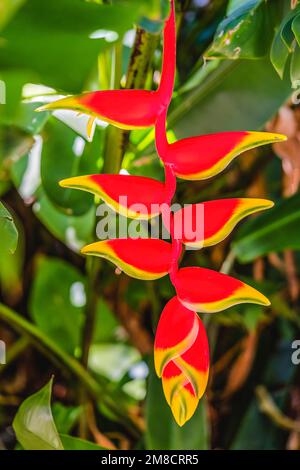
(181, 347)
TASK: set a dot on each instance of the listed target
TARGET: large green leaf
(275, 230)
(74, 443)
(62, 157)
(34, 425)
(11, 256)
(61, 316)
(257, 432)
(162, 432)
(74, 232)
(240, 95)
(240, 34)
(8, 232)
(51, 38)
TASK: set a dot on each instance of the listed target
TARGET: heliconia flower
(181, 356)
(208, 223)
(181, 345)
(131, 196)
(144, 258)
(208, 291)
(129, 109)
(199, 158)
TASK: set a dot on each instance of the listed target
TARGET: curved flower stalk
(181, 349)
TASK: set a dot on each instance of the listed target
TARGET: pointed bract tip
(267, 137)
(261, 203)
(70, 102)
(75, 182)
(63, 183)
(86, 250)
(279, 137)
(266, 302)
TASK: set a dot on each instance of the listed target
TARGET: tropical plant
(71, 308)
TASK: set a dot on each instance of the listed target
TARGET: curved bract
(181, 355)
(199, 158)
(208, 223)
(126, 109)
(208, 291)
(129, 109)
(144, 258)
(131, 196)
(181, 346)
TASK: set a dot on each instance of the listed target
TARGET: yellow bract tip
(70, 102)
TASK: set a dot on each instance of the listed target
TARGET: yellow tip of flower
(77, 182)
(63, 183)
(96, 249)
(278, 137)
(86, 250)
(69, 102)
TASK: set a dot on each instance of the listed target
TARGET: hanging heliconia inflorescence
(181, 350)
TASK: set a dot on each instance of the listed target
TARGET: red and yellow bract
(181, 349)
(181, 358)
(143, 258)
(219, 217)
(141, 196)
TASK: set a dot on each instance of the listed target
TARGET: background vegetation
(91, 331)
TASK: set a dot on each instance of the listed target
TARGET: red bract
(208, 291)
(129, 109)
(199, 158)
(143, 258)
(181, 347)
(131, 196)
(218, 217)
(181, 358)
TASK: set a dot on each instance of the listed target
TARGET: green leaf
(276, 230)
(283, 43)
(11, 256)
(106, 323)
(55, 45)
(295, 67)
(62, 157)
(296, 28)
(74, 232)
(249, 93)
(61, 316)
(8, 232)
(162, 432)
(257, 432)
(74, 443)
(8, 8)
(240, 34)
(279, 54)
(34, 425)
(65, 417)
(112, 360)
